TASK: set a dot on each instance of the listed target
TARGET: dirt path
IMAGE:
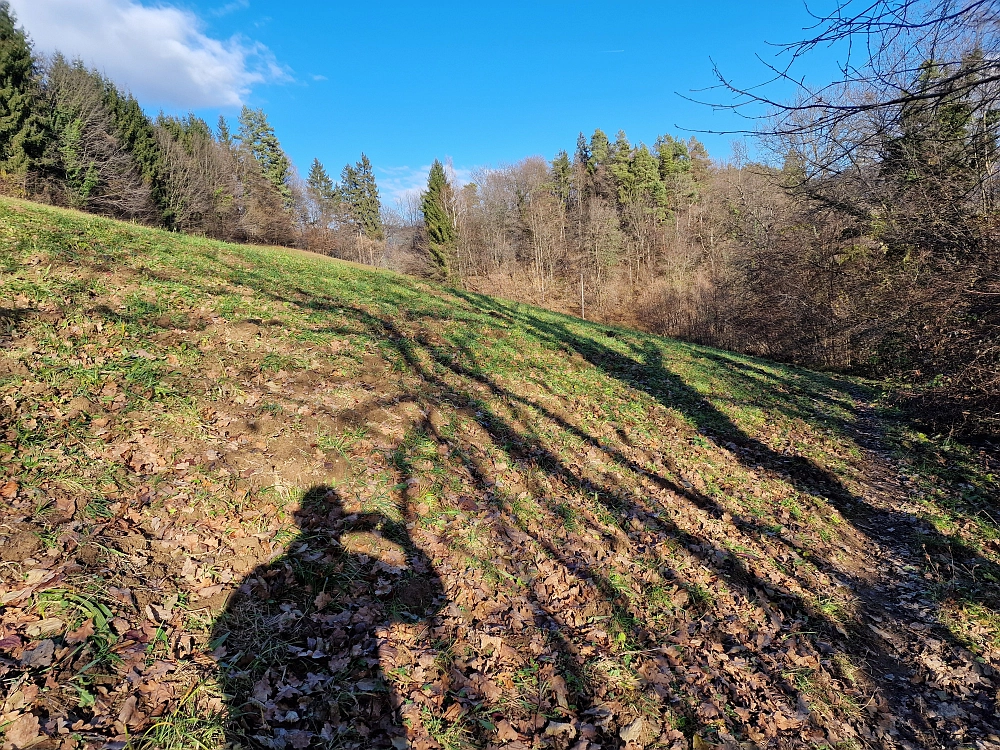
(944, 695)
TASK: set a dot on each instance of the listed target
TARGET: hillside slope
(256, 496)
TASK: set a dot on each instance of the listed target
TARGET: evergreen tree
(681, 166)
(562, 176)
(322, 190)
(582, 155)
(100, 172)
(257, 136)
(619, 163)
(599, 150)
(81, 176)
(25, 131)
(222, 132)
(358, 194)
(700, 161)
(136, 133)
(441, 234)
(646, 185)
(673, 157)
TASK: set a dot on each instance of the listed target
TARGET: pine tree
(677, 167)
(441, 234)
(599, 150)
(358, 193)
(672, 155)
(25, 131)
(619, 164)
(647, 187)
(257, 136)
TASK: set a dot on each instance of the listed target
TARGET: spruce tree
(561, 174)
(677, 169)
(257, 136)
(582, 155)
(222, 132)
(322, 190)
(25, 132)
(441, 232)
(358, 193)
(135, 131)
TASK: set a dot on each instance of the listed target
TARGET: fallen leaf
(298, 738)
(81, 634)
(129, 714)
(632, 732)
(164, 612)
(209, 591)
(40, 656)
(785, 722)
(322, 599)
(8, 490)
(505, 732)
(44, 628)
(560, 689)
(557, 729)
(707, 711)
(23, 732)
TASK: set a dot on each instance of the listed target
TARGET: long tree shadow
(803, 474)
(253, 721)
(808, 478)
(526, 448)
(646, 371)
(297, 646)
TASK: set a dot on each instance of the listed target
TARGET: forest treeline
(866, 244)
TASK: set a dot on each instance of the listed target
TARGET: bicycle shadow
(297, 646)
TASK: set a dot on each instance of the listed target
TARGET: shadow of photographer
(298, 644)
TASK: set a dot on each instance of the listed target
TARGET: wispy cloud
(397, 185)
(319, 77)
(228, 8)
(160, 53)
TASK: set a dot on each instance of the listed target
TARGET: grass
(640, 511)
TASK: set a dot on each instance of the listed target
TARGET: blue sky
(408, 82)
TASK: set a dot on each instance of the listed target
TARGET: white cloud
(232, 7)
(396, 185)
(159, 53)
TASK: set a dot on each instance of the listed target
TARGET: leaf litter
(261, 499)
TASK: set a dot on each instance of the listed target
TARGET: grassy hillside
(260, 497)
